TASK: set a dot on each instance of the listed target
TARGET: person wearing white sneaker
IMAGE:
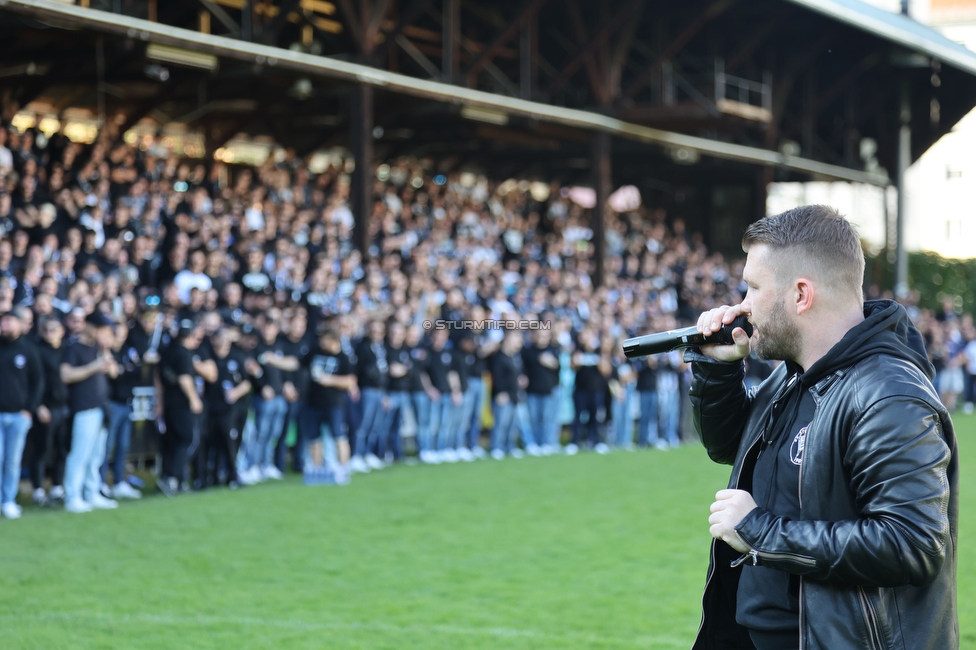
(419, 400)
(270, 405)
(443, 385)
(85, 368)
(357, 464)
(11, 510)
(507, 380)
(39, 497)
(450, 456)
(136, 360)
(98, 502)
(398, 390)
(476, 364)
(52, 424)
(542, 368)
(23, 388)
(182, 404)
(124, 490)
(270, 472)
(332, 376)
(77, 506)
(373, 377)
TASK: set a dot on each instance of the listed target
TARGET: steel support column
(603, 182)
(451, 42)
(904, 160)
(361, 145)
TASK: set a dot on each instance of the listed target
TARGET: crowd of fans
(226, 306)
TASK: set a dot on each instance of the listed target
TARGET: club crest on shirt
(20, 361)
(796, 449)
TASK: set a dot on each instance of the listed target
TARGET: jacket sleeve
(897, 460)
(720, 405)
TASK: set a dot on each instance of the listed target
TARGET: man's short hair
(813, 238)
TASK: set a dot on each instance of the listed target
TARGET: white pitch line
(369, 626)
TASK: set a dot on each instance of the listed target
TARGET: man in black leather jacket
(839, 526)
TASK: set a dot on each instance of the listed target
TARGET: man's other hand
(729, 509)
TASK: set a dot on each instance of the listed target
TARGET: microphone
(686, 337)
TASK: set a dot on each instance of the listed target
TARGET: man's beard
(778, 337)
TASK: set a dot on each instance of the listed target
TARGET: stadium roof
(733, 94)
(897, 28)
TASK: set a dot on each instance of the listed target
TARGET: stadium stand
(472, 327)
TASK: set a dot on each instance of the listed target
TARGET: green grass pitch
(563, 552)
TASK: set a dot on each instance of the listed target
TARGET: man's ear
(804, 293)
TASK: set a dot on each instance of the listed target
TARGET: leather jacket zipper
(871, 619)
(756, 555)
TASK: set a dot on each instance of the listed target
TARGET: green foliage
(574, 553)
(934, 277)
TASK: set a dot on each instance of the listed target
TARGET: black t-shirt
(542, 380)
(230, 374)
(204, 352)
(589, 379)
(477, 364)
(320, 362)
(438, 365)
(55, 391)
(176, 361)
(459, 364)
(372, 367)
(505, 371)
(646, 378)
(298, 349)
(419, 357)
(130, 369)
(768, 599)
(271, 376)
(400, 355)
(89, 393)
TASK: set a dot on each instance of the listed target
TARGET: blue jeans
(444, 420)
(421, 410)
(374, 419)
(269, 422)
(647, 428)
(470, 426)
(543, 414)
(354, 417)
(593, 404)
(669, 412)
(523, 425)
(502, 435)
(555, 421)
(88, 437)
(623, 426)
(119, 437)
(291, 416)
(399, 400)
(13, 435)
